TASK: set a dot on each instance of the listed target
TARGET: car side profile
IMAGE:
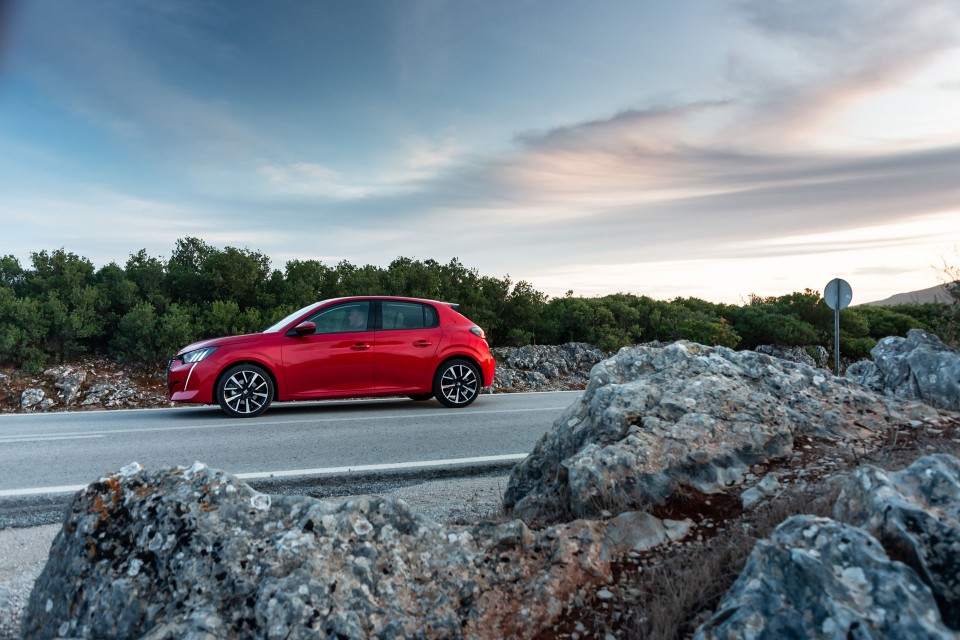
(340, 348)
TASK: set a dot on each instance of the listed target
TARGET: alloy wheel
(459, 384)
(245, 392)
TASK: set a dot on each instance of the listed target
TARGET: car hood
(219, 342)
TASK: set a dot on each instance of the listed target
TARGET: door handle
(422, 343)
(360, 346)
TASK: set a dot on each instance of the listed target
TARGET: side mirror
(305, 328)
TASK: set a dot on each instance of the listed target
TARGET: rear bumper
(488, 367)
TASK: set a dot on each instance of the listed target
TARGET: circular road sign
(838, 294)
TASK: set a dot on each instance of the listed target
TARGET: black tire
(420, 397)
(456, 383)
(244, 391)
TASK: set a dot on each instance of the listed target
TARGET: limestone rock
(799, 355)
(111, 394)
(33, 397)
(196, 553)
(544, 367)
(867, 373)
(655, 418)
(68, 380)
(817, 578)
(766, 487)
(915, 514)
(920, 367)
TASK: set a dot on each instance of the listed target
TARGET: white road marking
(390, 466)
(38, 491)
(290, 473)
(232, 422)
(45, 438)
(300, 403)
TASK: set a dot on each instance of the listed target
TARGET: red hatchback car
(344, 347)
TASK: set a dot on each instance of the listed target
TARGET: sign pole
(837, 294)
(836, 335)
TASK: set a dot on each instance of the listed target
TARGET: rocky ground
(668, 480)
(86, 385)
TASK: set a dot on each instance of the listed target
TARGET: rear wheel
(244, 391)
(456, 383)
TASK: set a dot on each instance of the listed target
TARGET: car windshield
(290, 318)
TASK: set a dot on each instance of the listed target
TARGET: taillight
(477, 331)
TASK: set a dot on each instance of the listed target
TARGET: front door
(335, 360)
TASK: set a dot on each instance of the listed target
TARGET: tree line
(60, 307)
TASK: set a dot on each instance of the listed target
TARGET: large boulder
(817, 578)
(196, 553)
(654, 419)
(918, 367)
(915, 514)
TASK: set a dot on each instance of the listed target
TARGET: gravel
(23, 552)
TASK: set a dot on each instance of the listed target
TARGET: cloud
(418, 161)
(844, 51)
(309, 179)
(95, 61)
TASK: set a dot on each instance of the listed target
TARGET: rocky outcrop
(915, 514)
(654, 419)
(196, 553)
(815, 356)
(544, 367)
(113, 395)
(67, 380)
(93, 383)
(888, 565)
(36, 399)
(918, 367)
(817, 578)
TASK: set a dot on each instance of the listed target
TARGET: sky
(707, 148)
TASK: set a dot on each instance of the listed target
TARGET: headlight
(191, 357)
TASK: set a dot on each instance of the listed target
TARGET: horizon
(570, 145)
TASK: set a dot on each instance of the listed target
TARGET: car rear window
(408, 315)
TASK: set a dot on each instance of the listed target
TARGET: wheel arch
(459, 356)
(273, 376)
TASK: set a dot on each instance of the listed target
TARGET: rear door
(406, 343)
(337, 358)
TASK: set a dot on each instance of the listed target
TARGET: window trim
(370, 327)
(378, 326)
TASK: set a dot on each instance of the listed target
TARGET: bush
(61, 307)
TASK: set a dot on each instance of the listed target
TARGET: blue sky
(703, 148)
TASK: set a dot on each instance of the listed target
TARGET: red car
(344, 347)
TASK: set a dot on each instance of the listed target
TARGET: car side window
(407, 315)
(342, 318)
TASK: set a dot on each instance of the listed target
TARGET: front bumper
(190, 382)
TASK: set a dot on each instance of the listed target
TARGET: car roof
(452, 305)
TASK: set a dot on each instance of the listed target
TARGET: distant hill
(933, 294)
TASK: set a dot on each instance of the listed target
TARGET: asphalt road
(57, 452)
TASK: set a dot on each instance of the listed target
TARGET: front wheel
(244, 391)
(456, 383)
